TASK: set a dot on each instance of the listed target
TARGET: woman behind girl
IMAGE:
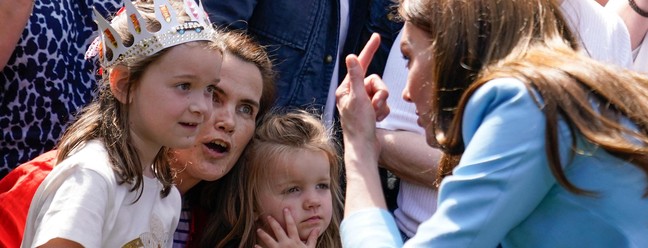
(244, 95)
(543, 146)
(112, 186)
(290, 173)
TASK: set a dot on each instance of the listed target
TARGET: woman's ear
(119, 83)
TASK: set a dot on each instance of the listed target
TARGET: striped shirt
(181, 235)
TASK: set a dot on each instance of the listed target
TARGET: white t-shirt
(329, 109)
(603, 34)
(81, 201)
(641, 56)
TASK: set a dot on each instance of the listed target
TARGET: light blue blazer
(503, 192)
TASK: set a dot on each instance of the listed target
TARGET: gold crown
(111, 49)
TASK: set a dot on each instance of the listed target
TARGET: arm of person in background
(416, 161)
(15, 15)
(637, 24)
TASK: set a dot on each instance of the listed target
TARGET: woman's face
(220, 144)
(415, 46)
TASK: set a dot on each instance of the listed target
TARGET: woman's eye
(407, 60)
(246, 109)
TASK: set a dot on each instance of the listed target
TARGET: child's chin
(303, 235)
(183, 143)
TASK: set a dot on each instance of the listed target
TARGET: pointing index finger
(368, 51)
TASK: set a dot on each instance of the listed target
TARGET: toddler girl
(285, 189)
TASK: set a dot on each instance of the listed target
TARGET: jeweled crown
(111, 49)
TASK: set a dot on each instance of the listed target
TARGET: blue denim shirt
(301, 38)
(381, 19)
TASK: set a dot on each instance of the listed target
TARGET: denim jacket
(381, 19)
(301, 37)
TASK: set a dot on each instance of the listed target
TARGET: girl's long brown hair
(107, 119)
(476, 41)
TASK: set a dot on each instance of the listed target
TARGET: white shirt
(416, 203)
(330, 100)
(80, 200)
(641, 56)
(603, 34)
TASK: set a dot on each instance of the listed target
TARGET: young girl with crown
(113, 185)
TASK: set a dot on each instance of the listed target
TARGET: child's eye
(211, 89)
(291, 190)
(323, 186)
(216, 98)
(184, 86)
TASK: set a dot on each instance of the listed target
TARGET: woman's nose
(224, 119)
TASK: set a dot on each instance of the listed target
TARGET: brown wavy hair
(205, 196)
(233, 200)
(107, 119)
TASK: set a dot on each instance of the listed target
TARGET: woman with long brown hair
(543, 146)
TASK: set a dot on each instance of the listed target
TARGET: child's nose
(201, 105)
(313, 200)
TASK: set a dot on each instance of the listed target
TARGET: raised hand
(362, 101)
(285, 238)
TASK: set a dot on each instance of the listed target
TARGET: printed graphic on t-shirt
(156, 237)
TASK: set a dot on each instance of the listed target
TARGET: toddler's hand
(283, 239)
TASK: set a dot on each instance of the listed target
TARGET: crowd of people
(317, 123)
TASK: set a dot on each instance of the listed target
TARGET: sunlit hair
(107, 119)
(278, 136)
(480, 40)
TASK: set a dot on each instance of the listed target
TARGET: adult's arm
(355, 102)
(360, 103)
(408, 156)
(15, 15)
(502, 176)
(503, 173)
(637, 25)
